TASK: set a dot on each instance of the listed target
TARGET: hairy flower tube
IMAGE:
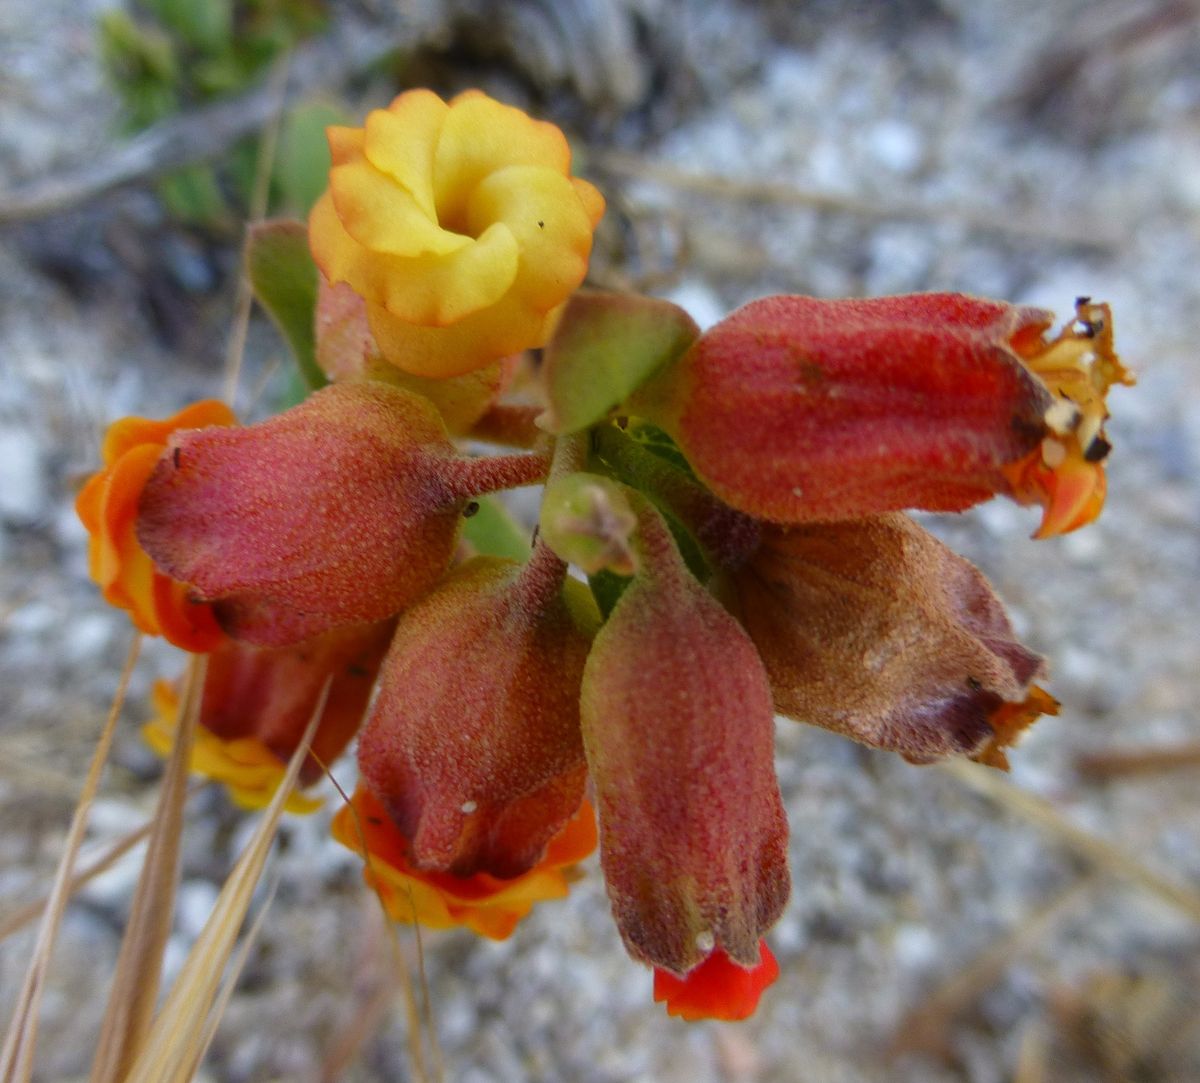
(256, 704)
(108, 504)
(485, 904)
(460, 225)
(679, 730)
(874, 629)
(796, 409)
(473, 744)
(342, 510)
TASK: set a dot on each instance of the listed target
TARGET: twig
(1092, 848)
(1117, 763)
(353, 45)
(1082, 234)
(16, 1059)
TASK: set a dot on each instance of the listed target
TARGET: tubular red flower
(473, 744)
(484, 904)
(796, 409)
(329, 514)
(874, 629)
(107, 506)
(717, 988)
(679, 730)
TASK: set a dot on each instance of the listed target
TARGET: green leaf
(284, 279)
(193, 195)
(494, 532)
(206, 25)
(302, 162)
(605, 347)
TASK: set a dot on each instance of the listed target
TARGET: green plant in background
(168, 56)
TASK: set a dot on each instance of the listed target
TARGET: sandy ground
(1031, 151)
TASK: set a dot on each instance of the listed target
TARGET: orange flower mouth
(485, 904)
(1065, 474)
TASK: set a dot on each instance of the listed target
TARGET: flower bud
(107, 505)
(586, 519)
(473, 744)
(257, 703)
(798, 410)
(875, 630)
(331, 513)
(678, 726)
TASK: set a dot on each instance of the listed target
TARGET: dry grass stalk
(1081, 234)
(1119, 763)
(926, 1026)
(135, 981)
(180, 1032)
(264, 162)
(16, 1059)
(415, 1016)
(1098, 852)
(236, 966)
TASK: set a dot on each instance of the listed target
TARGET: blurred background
(1039, 926)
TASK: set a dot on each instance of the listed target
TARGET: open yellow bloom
(459, 224)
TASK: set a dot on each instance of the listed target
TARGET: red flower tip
(718, 988)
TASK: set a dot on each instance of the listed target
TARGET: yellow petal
(401, 141)
(592, 200)
(345, 144)
(481, 135)
(431, 290)
(485, 336)
(384, 217)
(545, 214)
(439, 291)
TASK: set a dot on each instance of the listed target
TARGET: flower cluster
(733, 503)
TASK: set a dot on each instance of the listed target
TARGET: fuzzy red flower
(796, 409)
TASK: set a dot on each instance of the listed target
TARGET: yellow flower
(486, 905)
(459, 224)
(248, 770)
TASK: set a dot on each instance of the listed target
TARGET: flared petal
(484, 904)
(718, 988)
(107, 506)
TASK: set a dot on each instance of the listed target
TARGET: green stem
(728, 537)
